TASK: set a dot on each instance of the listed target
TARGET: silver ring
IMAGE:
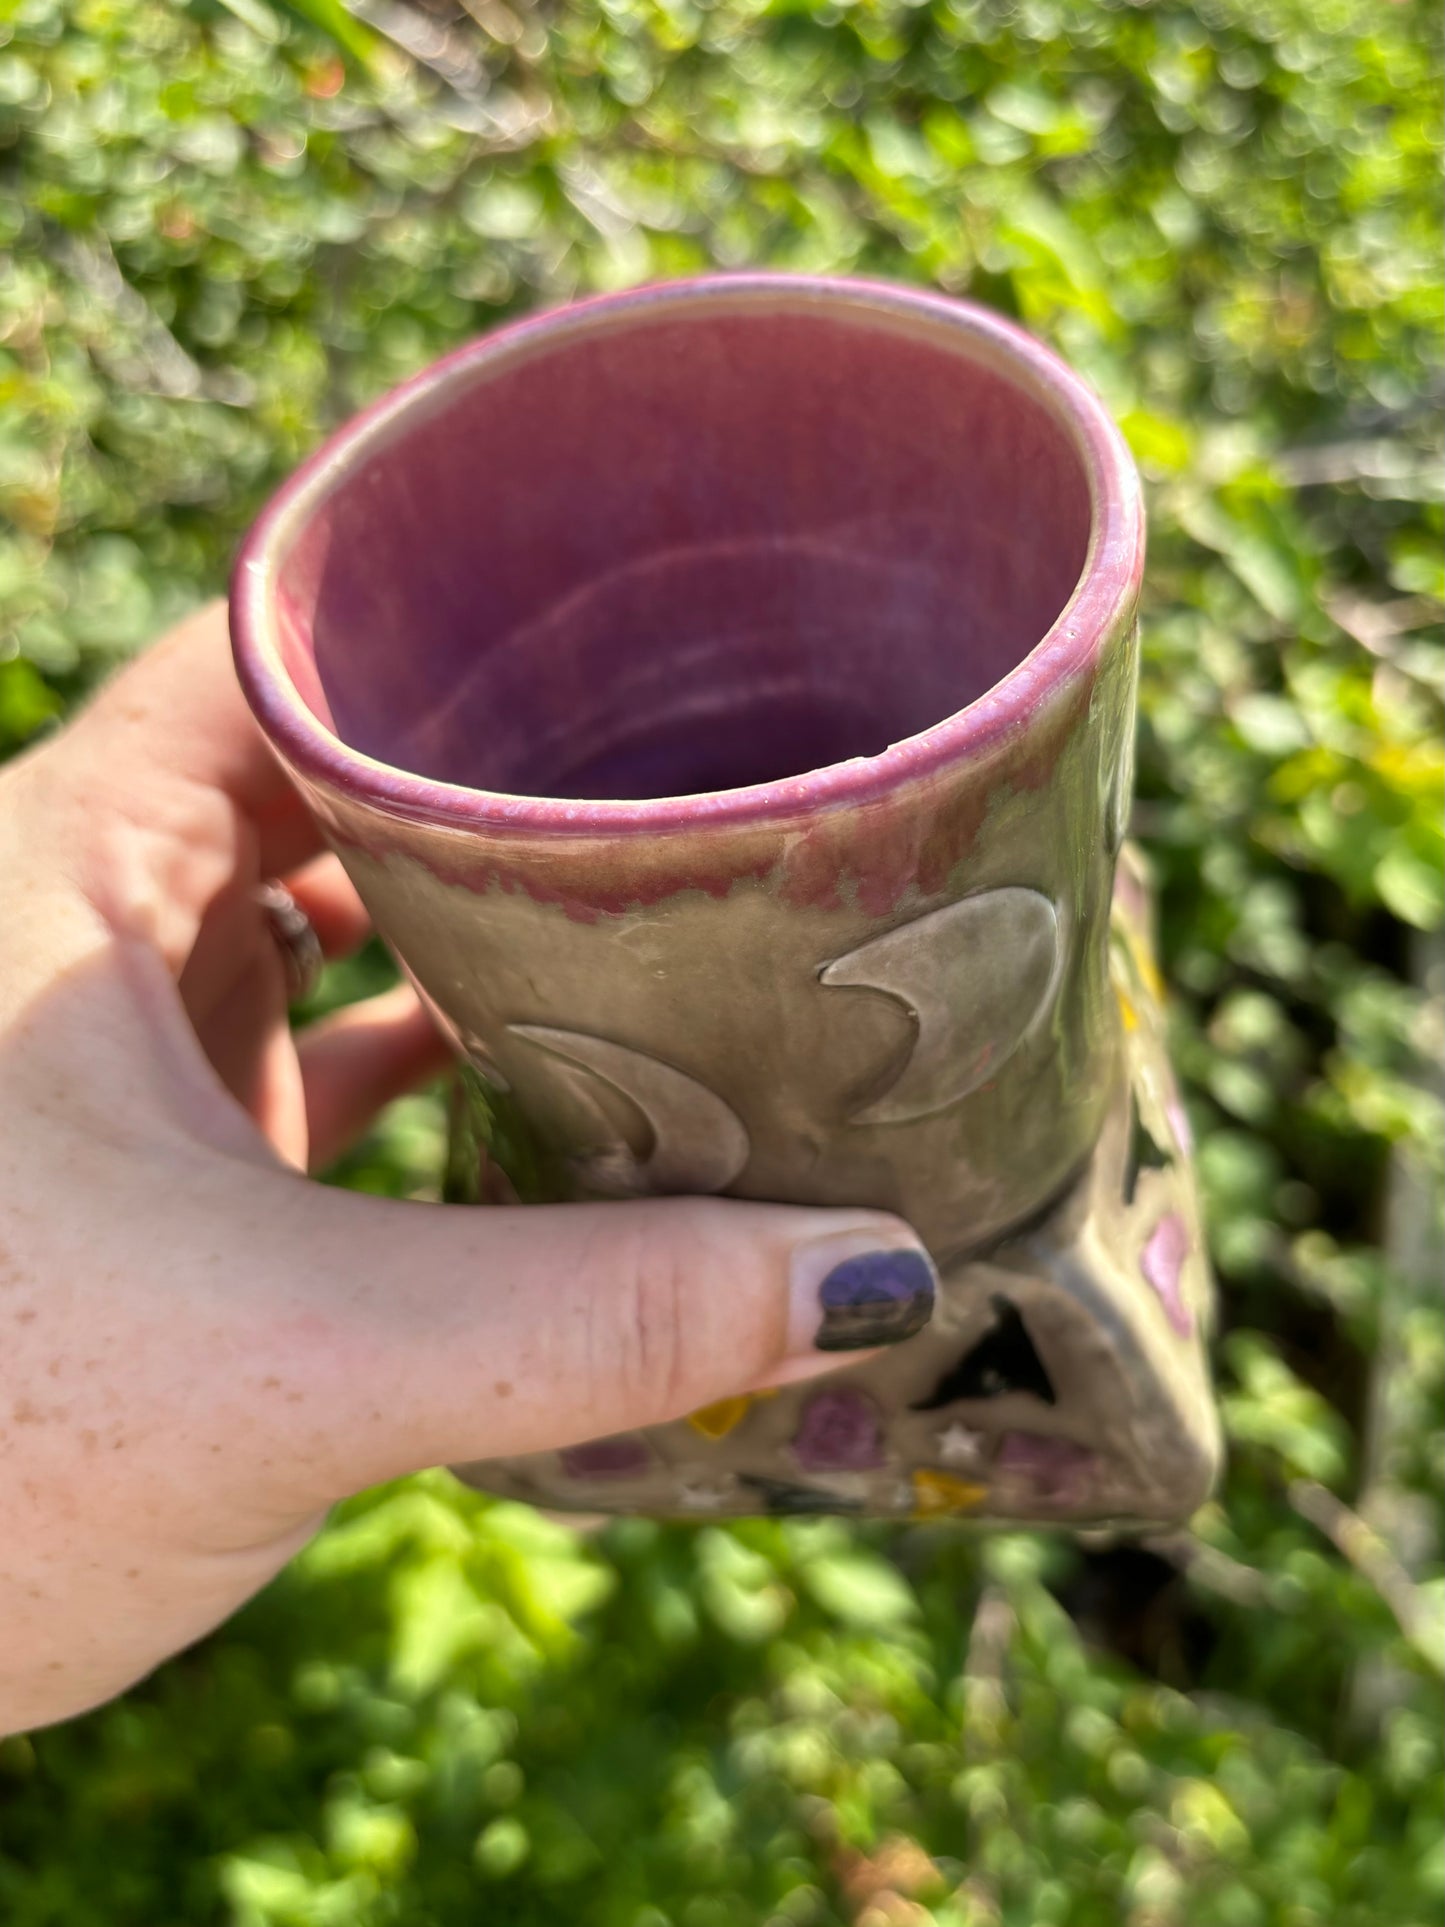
(296, 939)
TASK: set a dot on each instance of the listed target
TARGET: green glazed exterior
(922, 983)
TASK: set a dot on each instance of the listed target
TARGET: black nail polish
(877, 1298)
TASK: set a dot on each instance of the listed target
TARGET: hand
(200, 1350)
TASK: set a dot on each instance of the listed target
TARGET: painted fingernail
(850, 1294)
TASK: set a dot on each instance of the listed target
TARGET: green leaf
(862, 1590)
(1412, 884)
(351, 36)
(27, 703)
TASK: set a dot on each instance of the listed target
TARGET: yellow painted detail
(716, 1421)
(1126, 1010)
(936, 1493)
(1138, 954)
(1148, 971)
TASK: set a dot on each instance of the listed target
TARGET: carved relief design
(698, 1142)
(975, 977)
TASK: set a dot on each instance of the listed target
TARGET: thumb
(416, 1335)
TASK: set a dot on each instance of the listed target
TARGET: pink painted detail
(1162, 1264)
(692, 627)
(615, 1458)
(839, 1432)
(878, 856)
(1055, 1469)
(1179, 1124)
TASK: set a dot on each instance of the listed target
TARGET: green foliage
(227, 224)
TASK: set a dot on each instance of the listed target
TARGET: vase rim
(1102, 601)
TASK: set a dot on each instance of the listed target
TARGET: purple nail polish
(876, 1298)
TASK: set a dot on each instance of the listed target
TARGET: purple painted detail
(1162, 1262)
(1055, 1469)
(1179, 1124)
(607, 1458)
(705, 447)
(876, 1298)
(839, 1432)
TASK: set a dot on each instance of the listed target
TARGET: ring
(296, 939)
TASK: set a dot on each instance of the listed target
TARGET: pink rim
(1103, 597)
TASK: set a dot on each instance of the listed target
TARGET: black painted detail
(1003, 1360)
(783, 1497)
(1145, 1153)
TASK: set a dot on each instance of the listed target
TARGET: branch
(1376, 625)
(1210, 1568)
(160, 365)
(1339, 464)
(1358, 1542)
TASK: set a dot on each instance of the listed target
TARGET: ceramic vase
(722, 695)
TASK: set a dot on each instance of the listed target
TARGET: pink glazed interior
(725, 543)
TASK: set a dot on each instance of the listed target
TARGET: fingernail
(852, 1294)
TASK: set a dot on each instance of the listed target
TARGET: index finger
(178, 711)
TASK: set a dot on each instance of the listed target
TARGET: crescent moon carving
(698, 1142)
(975, 977)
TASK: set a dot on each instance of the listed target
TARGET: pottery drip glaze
(722, 695)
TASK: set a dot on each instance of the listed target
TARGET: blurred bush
(227, 223)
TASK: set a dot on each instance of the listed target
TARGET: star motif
(702, 1495)
(958, 1445)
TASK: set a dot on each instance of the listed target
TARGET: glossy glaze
(722, 695)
